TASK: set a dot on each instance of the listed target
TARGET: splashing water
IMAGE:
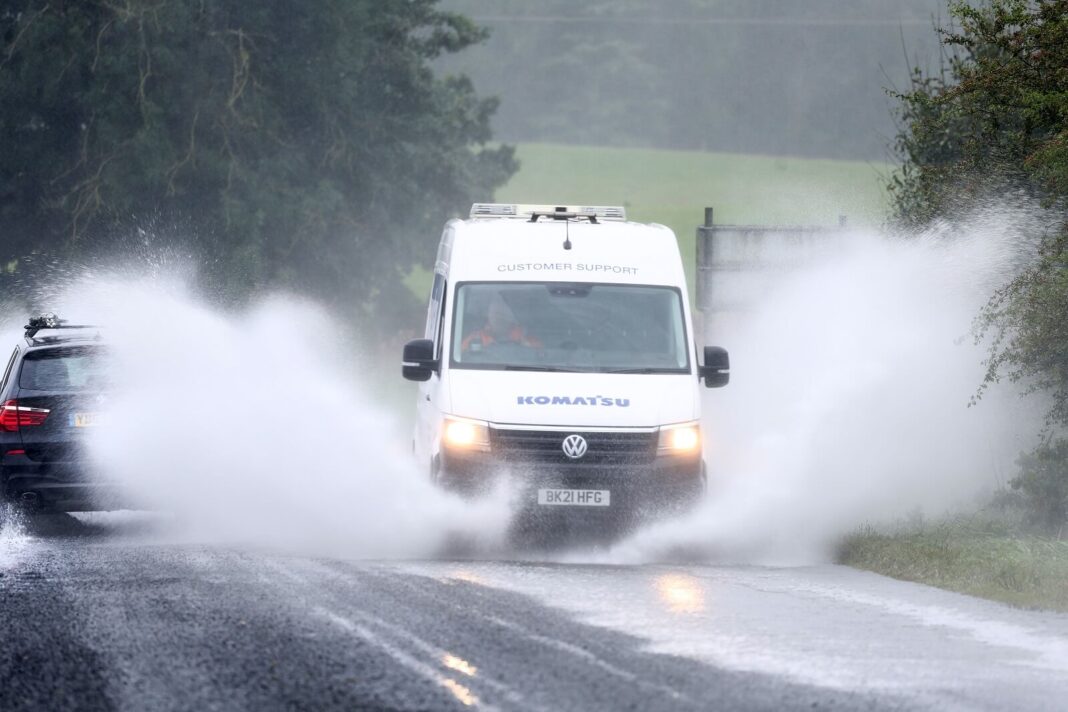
(848, 405)
(849, 400)
(14, 540)
(249, 428)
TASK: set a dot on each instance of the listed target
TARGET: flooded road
(104, 616)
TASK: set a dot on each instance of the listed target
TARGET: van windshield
(557, 326)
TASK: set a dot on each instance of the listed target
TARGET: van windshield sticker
(590, 267)
(573, 400)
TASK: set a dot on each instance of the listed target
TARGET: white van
(559, 349)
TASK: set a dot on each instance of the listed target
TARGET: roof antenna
(567, 230)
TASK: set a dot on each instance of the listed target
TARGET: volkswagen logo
(574, 446)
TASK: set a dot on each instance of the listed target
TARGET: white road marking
(462, 693)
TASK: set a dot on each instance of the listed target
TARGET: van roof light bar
(531, 213)
(50, 321)
(562, 213)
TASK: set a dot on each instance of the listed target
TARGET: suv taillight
(13, 416)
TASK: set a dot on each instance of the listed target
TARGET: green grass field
(674, 187)
(973, 555)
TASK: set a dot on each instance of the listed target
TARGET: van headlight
(463, 434)
(681, 439)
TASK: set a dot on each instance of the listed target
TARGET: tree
(996, 115)
(305, 144)
(999, 119)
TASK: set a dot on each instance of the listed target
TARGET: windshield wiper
(645, 369)
(551, 369)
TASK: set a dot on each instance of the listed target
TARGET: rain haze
(767, 77)
(732, 346)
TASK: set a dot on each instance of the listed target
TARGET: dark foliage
(997, 120)
(1043, 483)
(305, 145)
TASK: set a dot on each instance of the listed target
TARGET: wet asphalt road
(97, 619)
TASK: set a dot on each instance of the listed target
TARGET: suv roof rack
(531, 213)
(51, 321)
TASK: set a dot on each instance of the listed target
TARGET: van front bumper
(641, 488)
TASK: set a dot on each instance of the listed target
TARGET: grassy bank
(981, 558)
(673, 188)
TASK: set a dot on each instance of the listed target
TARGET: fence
(736, 264)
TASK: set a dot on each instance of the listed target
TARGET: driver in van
(501, 328)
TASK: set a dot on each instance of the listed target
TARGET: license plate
(575, 497)
(85, 420)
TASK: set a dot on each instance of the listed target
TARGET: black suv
(50, 397)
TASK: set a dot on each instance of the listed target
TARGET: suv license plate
(85, 420)
(575, 497)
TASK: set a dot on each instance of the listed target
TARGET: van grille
(546, 446)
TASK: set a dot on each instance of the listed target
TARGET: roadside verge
(980, 558)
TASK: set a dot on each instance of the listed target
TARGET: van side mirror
(418, 362)
(717, 368)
